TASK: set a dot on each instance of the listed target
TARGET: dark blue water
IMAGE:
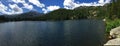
(50, 33)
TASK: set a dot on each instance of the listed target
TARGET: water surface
(50, 33)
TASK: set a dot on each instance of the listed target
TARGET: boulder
(113, 42)
(115, 32)
(115, 35)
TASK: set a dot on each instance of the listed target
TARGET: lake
(52, 33)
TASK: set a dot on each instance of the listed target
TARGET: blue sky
(44, 6)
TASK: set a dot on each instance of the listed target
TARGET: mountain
(31, 13)
(24, 16)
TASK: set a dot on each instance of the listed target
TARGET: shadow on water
(47, 33)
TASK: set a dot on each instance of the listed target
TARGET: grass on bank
(110, 24)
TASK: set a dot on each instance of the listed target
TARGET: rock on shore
(114, 33)
(115, 41)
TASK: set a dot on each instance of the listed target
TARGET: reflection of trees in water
(60, 33)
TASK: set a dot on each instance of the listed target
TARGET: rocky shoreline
(114, 36)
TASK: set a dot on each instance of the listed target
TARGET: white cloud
(16, 9)
(44, 10)
(71, 4)
(50, 8)
(2, 7)
(18, 1)
(101, 1)
(34, 2)
(107, 1)
(27, 6)
(37, 3)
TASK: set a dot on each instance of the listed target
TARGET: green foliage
(60, 14)
(115, 9)
(113, 15)
(110, 24)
